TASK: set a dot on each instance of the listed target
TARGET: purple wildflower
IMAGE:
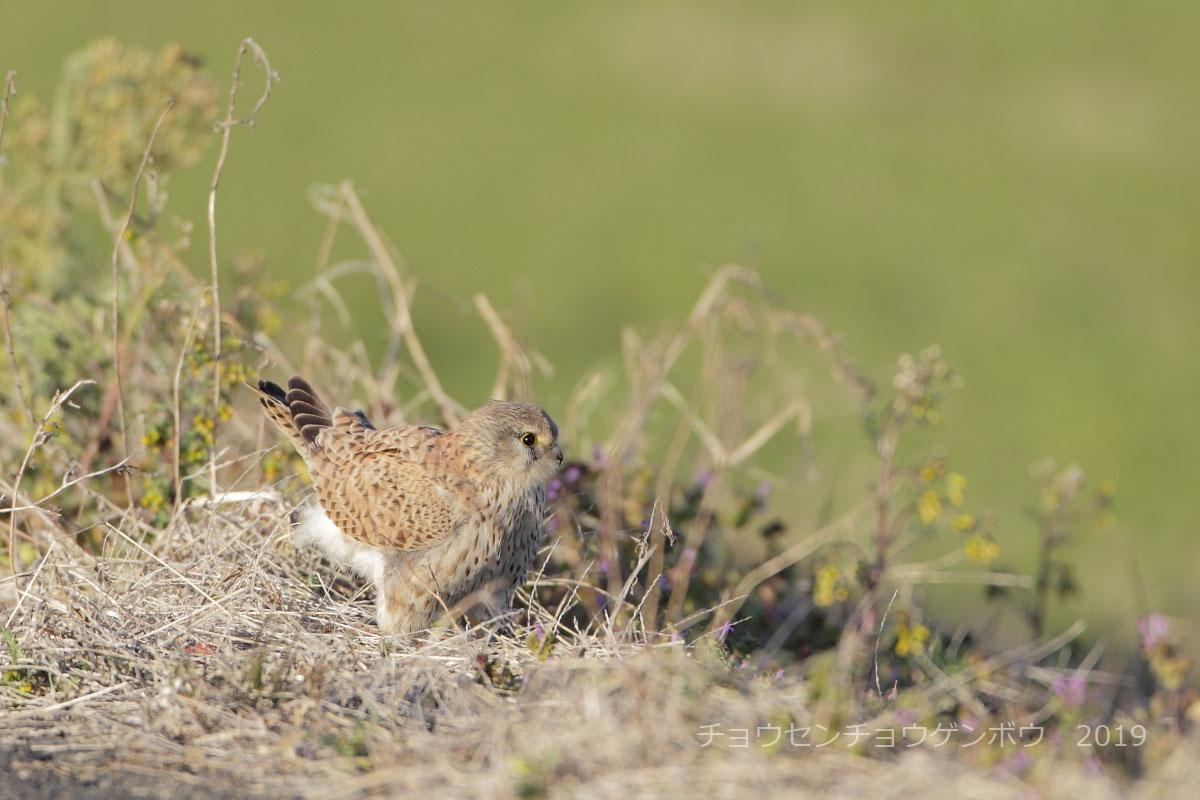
(1071, 692)
(703, 478)
(1014, 766)
(572, 474)
(725, 629)
(1153, 628)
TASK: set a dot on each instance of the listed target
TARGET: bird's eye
(528, 439)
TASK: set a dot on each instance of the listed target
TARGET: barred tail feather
(309, 413)
(298, 412)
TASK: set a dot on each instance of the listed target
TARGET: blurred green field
(1017, 181)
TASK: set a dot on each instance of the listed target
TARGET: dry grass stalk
(226, 128)
(118, 240)
(10, 86)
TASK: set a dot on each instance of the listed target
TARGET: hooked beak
(557, 452)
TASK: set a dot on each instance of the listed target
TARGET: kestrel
(431, 518)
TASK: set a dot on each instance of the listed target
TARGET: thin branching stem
(177, 410)
(40, 435)
(118, 240)
(10, 87)
(401, 308)
(226, 128)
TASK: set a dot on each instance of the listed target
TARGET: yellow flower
(981, 549)
(1170, 672)
(910, 639)
(930, 470)
(963, 522)
(1108, 488)
(929, 507)
(825, 586)
(234, 373)
(956, 486)
(153, 500)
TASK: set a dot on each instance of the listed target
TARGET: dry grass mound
(232, 665)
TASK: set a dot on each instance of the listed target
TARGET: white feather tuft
(316, 529)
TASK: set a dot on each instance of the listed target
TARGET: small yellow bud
(929, 508)
(962, 523)
(956, 486)
(981, 550)
(930, 471)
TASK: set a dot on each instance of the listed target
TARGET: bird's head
(517, 440)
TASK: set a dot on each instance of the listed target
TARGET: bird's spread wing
(375, 491)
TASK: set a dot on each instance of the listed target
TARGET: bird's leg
(405, 604)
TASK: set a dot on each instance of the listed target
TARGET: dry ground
(229, 664)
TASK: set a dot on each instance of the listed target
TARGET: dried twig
(401, 313)
(67, 484)
(797, 552)
(10, 87)
(32, 580)
(118, 240)
(226, 128)
(878, 636)
(513, 358)
(40, 435)
(176, 407)
(32, 712)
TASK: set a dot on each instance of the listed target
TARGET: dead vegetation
(231, 664)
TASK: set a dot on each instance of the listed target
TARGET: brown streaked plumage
(430, 517)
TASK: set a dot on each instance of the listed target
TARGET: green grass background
(1018, 181)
